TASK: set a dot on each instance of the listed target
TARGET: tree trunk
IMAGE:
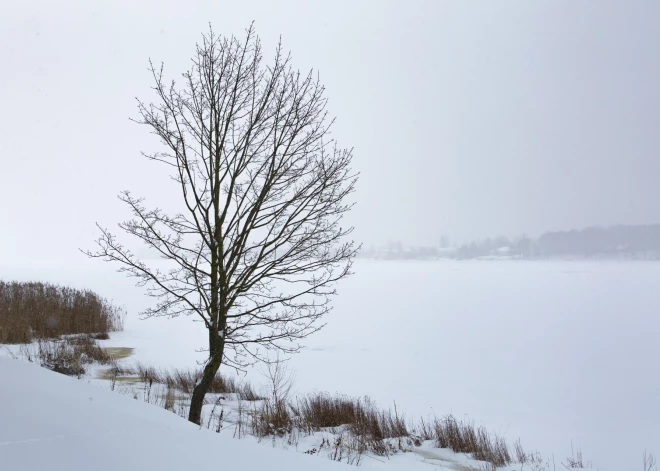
(217, 345)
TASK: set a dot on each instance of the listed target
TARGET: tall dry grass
(32, 310)
(358, 425)
(367, 427)
(362, 415)
(464, 437)
(184, 381)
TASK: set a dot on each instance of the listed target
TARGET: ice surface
(549, 351)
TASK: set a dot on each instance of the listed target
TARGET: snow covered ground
(551, 352)
(50, 421)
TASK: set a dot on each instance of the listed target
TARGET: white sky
(467, 118)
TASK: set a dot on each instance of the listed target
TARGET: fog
(471, 119)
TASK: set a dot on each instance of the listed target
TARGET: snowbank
(50, 421)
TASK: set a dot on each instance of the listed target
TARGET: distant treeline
(632, 241)
(638, 242)
(592, 242)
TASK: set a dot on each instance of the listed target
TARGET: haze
(467, 118)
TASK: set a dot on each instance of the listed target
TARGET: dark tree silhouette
(259, 247)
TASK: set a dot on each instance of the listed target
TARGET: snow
(552, 352)
(50, 421)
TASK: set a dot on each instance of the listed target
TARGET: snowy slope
(50, 421)
(554, 352)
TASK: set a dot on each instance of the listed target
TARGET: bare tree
(280, 379)
(258, 247)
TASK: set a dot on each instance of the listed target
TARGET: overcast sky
(467, 118)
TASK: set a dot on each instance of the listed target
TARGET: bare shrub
(69, 356)
(280, 379)
(39, 311)
(60, 358)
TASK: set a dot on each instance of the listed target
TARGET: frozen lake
(548, 351)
